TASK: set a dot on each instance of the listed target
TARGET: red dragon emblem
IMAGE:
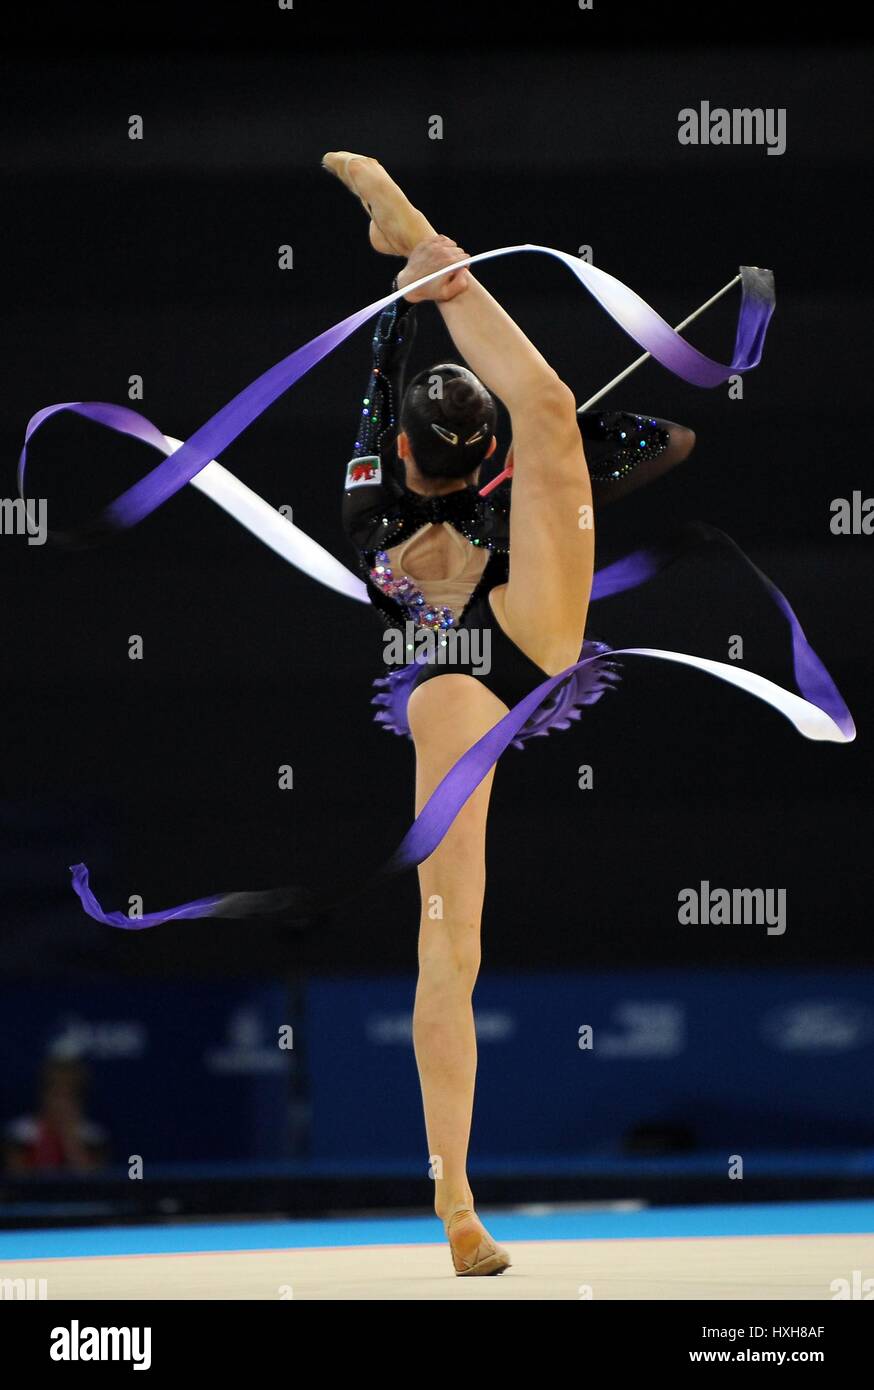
(362, 472)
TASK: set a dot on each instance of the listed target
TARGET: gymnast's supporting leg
(452, 886)
(543, 608)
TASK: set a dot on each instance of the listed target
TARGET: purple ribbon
(631, 312)
(637, 318)
(424, 835)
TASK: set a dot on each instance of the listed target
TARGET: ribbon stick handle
(506, 472)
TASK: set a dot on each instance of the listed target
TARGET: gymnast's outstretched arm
(392, 340)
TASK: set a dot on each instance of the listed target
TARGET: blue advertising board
(178, 1072)
(582, 1065)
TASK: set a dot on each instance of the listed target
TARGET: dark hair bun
(459, 398)
(462, 406)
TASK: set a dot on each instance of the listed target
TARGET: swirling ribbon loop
(631, 312)
(818, 712)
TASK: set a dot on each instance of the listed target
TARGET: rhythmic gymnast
(436, 555)
(512, 572)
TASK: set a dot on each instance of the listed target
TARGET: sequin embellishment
(638, 437)
(410, 599)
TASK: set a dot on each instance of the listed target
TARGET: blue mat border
(655, 1223)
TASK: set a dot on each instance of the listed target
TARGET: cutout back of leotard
(466, 565)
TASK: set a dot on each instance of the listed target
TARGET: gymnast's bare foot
(396, 226)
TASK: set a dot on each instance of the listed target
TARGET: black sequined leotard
(379, 512)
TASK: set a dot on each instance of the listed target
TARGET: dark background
(159, 258)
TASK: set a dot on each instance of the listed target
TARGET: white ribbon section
(810, 721)
(271, 527)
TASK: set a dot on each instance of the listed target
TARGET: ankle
(445, 1206)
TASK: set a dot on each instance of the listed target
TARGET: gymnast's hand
(433, 254)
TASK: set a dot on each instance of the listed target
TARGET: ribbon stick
(507, 472)
(644, 357)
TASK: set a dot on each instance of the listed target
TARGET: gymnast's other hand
(435, 253)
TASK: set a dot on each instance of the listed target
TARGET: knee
(449, 957)
(444, 700)
(442, 984)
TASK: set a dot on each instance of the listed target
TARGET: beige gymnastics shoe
(473, 1250)
(396, 226)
